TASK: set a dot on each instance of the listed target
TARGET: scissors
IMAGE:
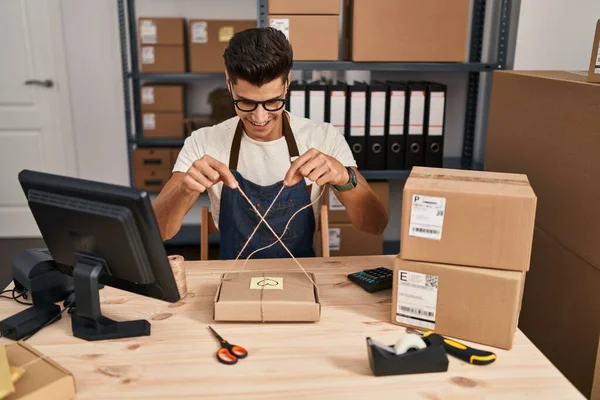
(228, 353)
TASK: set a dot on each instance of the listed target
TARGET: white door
(35, 127)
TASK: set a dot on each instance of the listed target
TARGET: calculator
(373, 280)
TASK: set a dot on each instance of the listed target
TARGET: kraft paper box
(44, 379)
(267, 297)
(479, 305)
(463, 217)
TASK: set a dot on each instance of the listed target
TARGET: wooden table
(327, 359)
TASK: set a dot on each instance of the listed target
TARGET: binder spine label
(297, 105)
(377, 114)
(357, 114)
(317, 105)
(397, 101)
(427, 217)
(436, 114)
(417, 113)
(338, 110)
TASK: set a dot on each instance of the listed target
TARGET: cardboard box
(151, 179)
(313, 37)
(561, 309)
(308, 7)
(476, 304)
(152, 158)
(162, 125)
(558, 126)
(346, 240)
(546, 124)
(162, 59)
(408, 30)
(594, 71)
(161, 31)
(267, 297)
(208, 40)
(465, 217)
(44, 378)
(162, 98)
(336, 210)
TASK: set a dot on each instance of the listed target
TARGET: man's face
(260, 124)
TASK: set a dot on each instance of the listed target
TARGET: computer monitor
(100, 234)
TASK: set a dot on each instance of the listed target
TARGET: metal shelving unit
(474, 68)
(132, 77)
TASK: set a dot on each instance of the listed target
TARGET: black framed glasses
(247, 105)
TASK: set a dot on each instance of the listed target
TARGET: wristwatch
(352, 182)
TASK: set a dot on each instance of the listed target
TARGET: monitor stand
(87, 321)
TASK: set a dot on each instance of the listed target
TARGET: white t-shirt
(263, 163)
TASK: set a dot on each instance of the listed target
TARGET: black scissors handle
(228, 353)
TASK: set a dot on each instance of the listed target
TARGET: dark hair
(258, 55)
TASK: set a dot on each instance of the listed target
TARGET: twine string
(278, 238)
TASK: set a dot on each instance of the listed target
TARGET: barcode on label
(426, 230)
(417, 311)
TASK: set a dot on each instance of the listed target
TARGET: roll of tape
(177, 265)
(408, 343)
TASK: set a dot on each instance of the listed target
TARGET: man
(268, 156)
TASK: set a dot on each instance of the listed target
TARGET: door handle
(47, 83)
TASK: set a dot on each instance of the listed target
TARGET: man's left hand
(317, 167)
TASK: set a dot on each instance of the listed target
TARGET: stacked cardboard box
(408, 30)
(208, 39)
(311, 26)
(465, 247)
(152, 167)
(162, 47)
(546, 124)
(162, 111)
(345, 239)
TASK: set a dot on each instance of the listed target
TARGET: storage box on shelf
(161, 42)
(208, 39)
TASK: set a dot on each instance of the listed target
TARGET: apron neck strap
(234, 155)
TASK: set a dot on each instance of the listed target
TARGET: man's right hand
(206, 172)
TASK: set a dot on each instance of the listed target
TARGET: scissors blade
(216, 334)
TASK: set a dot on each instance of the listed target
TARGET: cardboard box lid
(467, 181)
(43, 379)
(567, 76)
(273, 296)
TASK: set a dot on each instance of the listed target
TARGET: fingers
(199, 177)
(192, 185)
(224, 172)
(312, 165)
(293, 176)
(318, 173)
